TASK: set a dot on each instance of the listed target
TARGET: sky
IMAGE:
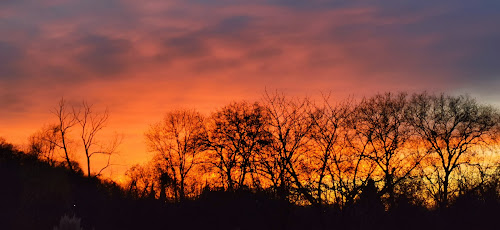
(141, 59)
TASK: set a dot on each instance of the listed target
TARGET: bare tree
(178, 140)
(328, 137)
(290, 125)
(452, 127)
(381, 121)
(351, 170)
(66, 120)
(91, 124)
(237, 134)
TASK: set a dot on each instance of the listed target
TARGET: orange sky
(143, 58)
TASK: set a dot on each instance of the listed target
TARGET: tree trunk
(444, 199)
(181, 192)
(66, 152)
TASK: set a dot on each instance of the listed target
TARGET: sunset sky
(141, 59)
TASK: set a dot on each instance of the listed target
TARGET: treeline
(423, 149)
(391, 161)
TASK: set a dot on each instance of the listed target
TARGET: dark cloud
(467, 41)
(264, 53)
(10, 58)
(314, 4)
(231, 31)
(230, 25)
(12, 2)
(236, 31)
(216, 64)
(103, 55)
(389, 37)
(187, 46)
(12, 103)
(217, 3)
(482, 62)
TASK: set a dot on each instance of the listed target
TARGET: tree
(351, 169)
(237, 134)
(381, 121)
(66, 120)
(43, 143)
(141, 180)
(452, 128)
(290, 125)
(91, 124)
(368, 209)
(328, 136)
(177, 141)
(6, 149)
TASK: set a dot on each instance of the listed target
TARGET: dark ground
(35, 195)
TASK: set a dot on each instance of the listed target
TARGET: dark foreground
(35, 195)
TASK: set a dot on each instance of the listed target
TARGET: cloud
(11, 102)
(185, 47)
(10, 58)
(113, 39)
(483, 60)
(264, 53)
(104, 56)
(230, 25)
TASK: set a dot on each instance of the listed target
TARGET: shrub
(69, 223)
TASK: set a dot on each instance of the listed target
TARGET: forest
(388, 161)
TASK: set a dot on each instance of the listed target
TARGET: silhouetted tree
(91, 124)
(141, 180)
(66, 120)
(328, 136)
(237, 135)
(351, 169)
(381, 122)
(290, 125)
(369, 209)
(6, 149)
(178, 140)
(43, 144)
(452, 127)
